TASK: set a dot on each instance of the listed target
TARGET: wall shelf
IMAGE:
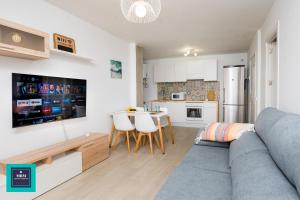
(21, 41)
(71, 55)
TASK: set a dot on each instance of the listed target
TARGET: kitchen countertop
(185, 101)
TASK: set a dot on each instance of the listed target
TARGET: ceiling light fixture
(141, 11)
(192, 52)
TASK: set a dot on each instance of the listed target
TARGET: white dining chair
(139, 109)
(124, 127)
(145, 126)
(164, 123)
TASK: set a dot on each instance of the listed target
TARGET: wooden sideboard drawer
(94, 152)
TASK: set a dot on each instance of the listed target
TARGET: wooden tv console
(94, 149)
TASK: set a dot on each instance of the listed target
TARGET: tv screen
(40, 99)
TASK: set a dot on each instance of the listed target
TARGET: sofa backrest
(281, 133)
(265, 121)
(246, 144)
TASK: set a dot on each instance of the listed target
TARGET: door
(233, 90)
(272, 75)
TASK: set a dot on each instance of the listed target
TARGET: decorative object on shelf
(192, 52)
(145, 83)
(141, 11)
(64, 43)
(16, 38)
(116, 69)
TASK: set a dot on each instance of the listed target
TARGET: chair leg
(125, 139)
(144, 140)
(166, 135)
(134, 136)
(150, 142)
(128, 141)
(116, 140)
(137, 145)
(156, 140)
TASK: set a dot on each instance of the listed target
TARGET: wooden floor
(123, 176)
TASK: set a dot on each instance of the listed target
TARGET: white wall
(286, 12)
(104, 94)
(223, 60)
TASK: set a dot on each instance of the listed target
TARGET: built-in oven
(194, 113)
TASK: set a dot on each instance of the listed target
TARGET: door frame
(252, 100)
(268, 44)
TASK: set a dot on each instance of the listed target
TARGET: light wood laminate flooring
(127, 176)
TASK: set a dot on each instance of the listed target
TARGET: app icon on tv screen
(39, 99)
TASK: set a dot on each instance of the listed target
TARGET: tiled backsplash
(196, 90)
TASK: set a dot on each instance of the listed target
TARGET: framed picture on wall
(115, 69)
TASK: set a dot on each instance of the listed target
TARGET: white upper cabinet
(195, 70)
(180, 71)
(202, 69)
(185, 70)
(210, 70)
(164, 72)
(169, 72)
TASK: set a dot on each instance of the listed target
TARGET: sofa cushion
(208, 158)
(284, 146)
(188, 182)
(247, 143)
(255, 176)
(213, 144)
(266, 119)
(225, 132)
(200, 142)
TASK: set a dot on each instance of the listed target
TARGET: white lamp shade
(141, 11)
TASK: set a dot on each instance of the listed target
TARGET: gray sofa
(264, 165)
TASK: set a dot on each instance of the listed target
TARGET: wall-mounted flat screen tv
(40, 99)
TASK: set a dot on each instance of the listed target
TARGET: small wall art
(116, 69)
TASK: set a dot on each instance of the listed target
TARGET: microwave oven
(180, 96)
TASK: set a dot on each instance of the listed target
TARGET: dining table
(157, 116)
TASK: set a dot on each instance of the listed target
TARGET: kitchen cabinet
(178, 112)
(185, 70)
(202, 69)
(210, 70)
(195, 70)
(180, 72)
(164, 72)
(169, 72)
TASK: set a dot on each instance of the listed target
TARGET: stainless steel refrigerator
(233, 94)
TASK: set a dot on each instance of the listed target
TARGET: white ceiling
(214, 26)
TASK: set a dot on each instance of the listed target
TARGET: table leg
(162, 147)
(113, 129)
(171, 129)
